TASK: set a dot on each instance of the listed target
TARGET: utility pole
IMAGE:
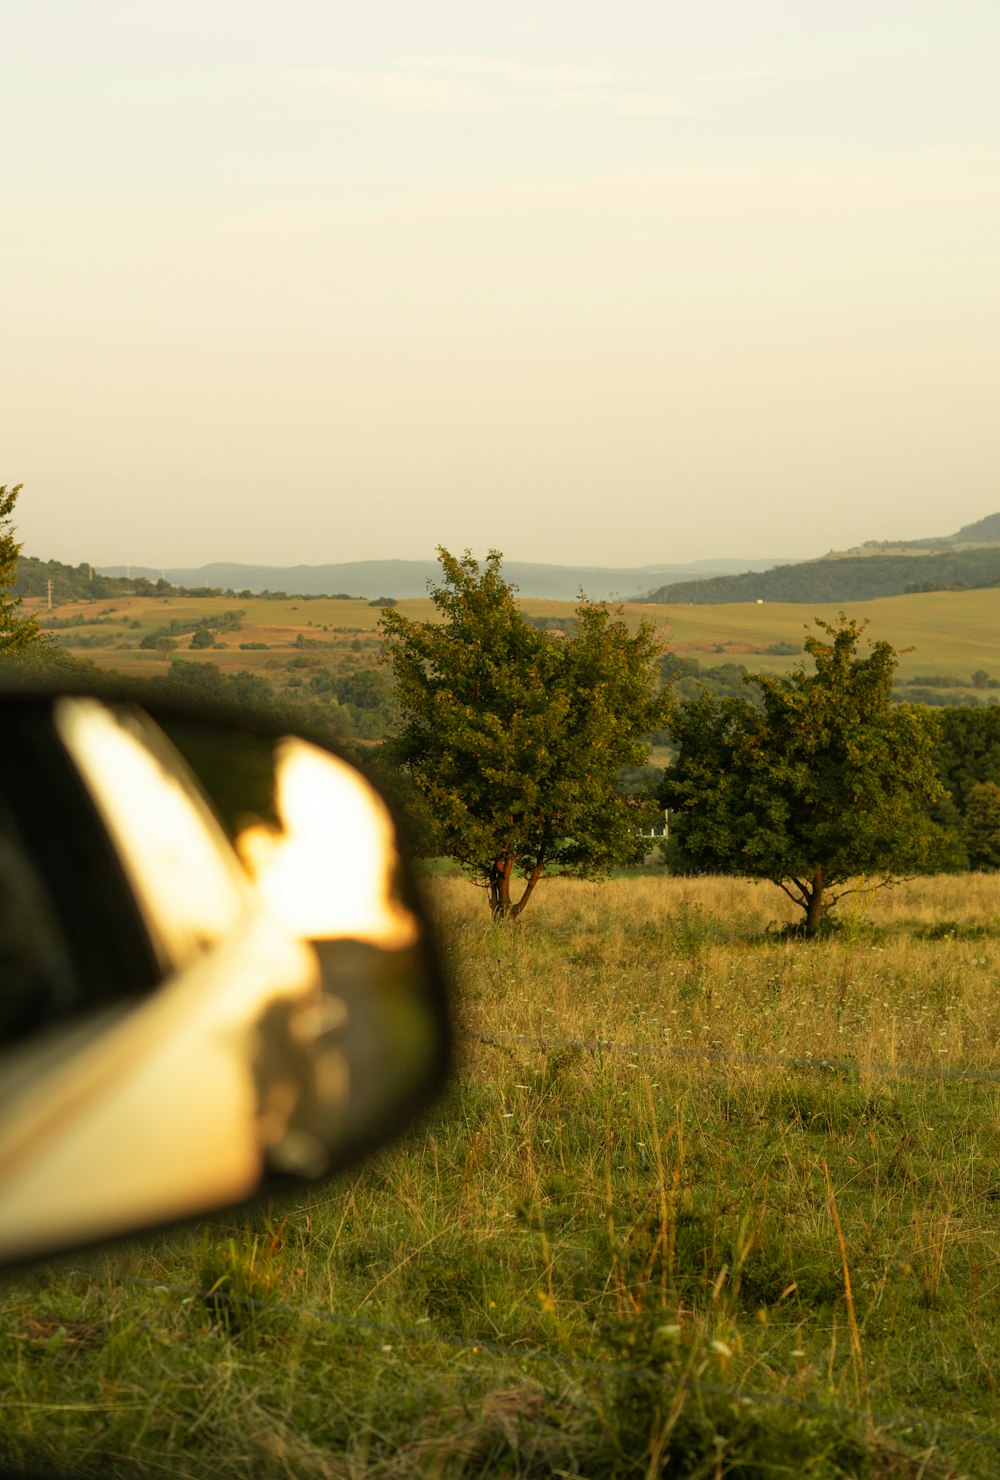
(49, 584)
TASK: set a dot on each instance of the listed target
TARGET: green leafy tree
(515, 737)
(18, 634)
(968, 749)
(824, 783)
(966, 753)
(982, 825)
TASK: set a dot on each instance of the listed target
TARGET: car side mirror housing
(216, 975)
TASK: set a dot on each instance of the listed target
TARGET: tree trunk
(535, 875)
(815, 903)
(502, 907)
(499, 886)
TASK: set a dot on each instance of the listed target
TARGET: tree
(967, 749)
(17, 633)
(966, 754)
(824, 782)
(982, 825)
(515, 737)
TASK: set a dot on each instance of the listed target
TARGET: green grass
(701, 1201)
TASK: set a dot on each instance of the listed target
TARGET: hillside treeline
(851, 578)
(346, 707)
(83, 583)
(688, 678)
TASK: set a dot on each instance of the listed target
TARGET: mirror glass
(269, 1005)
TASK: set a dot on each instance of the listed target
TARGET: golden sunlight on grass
(702, 1199)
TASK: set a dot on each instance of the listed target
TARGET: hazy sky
(306, 281)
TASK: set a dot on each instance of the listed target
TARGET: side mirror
(215, 972)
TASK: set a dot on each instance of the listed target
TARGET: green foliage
(687, 679)
(158, 641)
(17, 634)
(826, 782)
(516, 738)
(83, 583)
(363, 699)
(982, 824)
(552, 624)
(851, 578)
(243, 688)
(966, 756)
(237, 1284)
(967, 749)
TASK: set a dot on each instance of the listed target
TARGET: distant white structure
(658, 829)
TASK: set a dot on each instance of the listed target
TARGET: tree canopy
(848, 578)
(967, 758)
(825, 781)
(515, 737)
(17, 633)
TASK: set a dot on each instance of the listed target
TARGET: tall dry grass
(702, 1200)
(908, 978)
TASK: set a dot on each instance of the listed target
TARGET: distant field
(339, 633)
(946, 632)
(951, 633)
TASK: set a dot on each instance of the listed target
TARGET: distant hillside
(84, 582)
(853, 577)
(407, 579)
(80, 582)
(983, 532)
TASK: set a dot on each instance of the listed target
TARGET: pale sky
(306, 281)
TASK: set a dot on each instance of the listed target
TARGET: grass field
(951, 633)
(703, 1200)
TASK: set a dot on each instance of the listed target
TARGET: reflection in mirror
(165, 835)
(72, 934)
(203, 1027)
(321, 845)
(37, 980)
(330, 868)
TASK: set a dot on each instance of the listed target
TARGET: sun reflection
(180, 868)
(329, 873)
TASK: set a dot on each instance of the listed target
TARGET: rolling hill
(969, 559)
(409, 579)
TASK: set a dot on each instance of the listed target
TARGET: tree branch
(533, 878)
(800, 899)
(887, 883)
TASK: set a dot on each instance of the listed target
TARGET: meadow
(703, 1200)
(950, 633)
